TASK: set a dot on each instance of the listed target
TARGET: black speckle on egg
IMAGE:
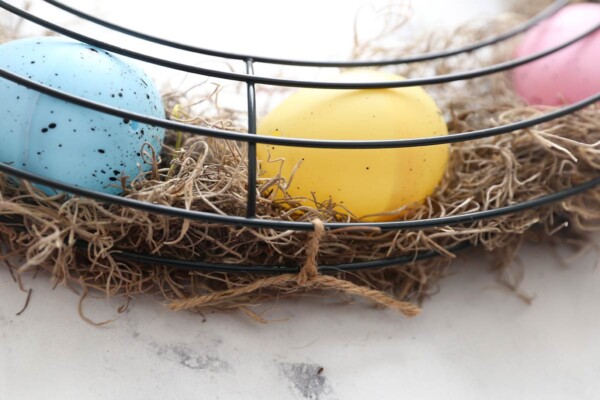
(103, 171)
(93, 50)
(101, 151)
(52, 125)
(126, 120)
(116, 172)
(112, 178)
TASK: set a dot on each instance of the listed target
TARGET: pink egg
(571, 74)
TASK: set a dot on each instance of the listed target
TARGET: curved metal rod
(190, 265)
(298, 226)
(290, 82)
(313, 143)
(546, 13)
(195, 265)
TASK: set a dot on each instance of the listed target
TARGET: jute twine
(307, 279)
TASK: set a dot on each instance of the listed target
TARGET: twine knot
(309, 271)
(308, 278)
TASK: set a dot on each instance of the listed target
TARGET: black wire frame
(251, 78)
(252, 139)
(556, 6)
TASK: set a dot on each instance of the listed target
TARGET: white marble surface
(475, 340)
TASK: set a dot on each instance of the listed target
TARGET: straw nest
(77, 240)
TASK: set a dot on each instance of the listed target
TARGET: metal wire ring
(290, 82)
(556, 6)
(251, 220)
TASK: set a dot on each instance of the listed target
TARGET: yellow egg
(364, 182)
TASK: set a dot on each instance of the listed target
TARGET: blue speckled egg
(70, 143)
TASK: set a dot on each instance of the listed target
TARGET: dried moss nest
(211, 175)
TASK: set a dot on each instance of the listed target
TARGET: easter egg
(365, 182)
(569, 75)
(70, 143)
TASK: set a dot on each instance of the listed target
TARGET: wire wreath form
(310, 274)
